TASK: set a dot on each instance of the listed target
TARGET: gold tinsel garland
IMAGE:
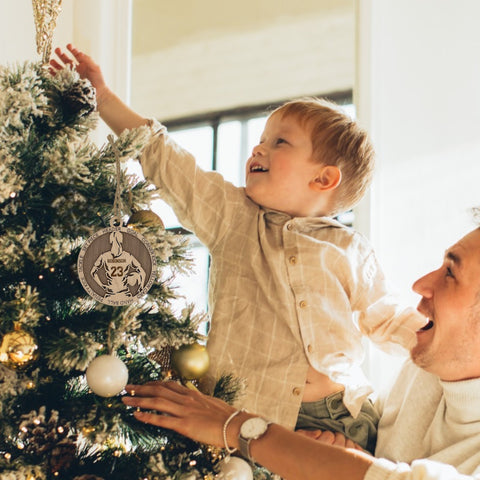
(45, 13)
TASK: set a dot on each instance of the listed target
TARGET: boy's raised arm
(115, 113)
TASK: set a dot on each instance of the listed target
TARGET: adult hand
(186, 411)
(330, 438)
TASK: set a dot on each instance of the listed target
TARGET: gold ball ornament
(191, 362)
(19, 349)
(145, 218)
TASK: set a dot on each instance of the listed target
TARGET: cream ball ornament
(235, 468)
(107, 375)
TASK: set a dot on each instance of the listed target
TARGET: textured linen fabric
(282, 290)
(428, 430)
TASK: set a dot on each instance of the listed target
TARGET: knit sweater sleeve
(383, 469)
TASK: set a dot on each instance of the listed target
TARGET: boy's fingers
(63, 57)
(74, 51)
(55, 64)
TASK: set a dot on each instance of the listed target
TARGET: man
(430, 421)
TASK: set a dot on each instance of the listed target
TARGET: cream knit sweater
(429, 429)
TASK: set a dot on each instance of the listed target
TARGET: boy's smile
(256, 167)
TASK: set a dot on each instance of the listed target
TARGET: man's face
(449, 346)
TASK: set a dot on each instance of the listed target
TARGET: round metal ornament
(116, 266)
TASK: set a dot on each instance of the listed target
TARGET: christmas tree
(57, 189)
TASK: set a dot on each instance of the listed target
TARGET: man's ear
(327, 178)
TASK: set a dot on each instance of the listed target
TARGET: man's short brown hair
(337, 140)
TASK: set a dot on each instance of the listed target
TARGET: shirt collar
(303, 223)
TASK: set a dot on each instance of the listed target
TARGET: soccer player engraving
(116, 266)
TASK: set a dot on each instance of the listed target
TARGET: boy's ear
(327, 178)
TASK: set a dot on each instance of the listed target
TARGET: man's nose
(424, 285)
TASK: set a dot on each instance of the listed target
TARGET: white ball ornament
(107, 375)
(235, 468)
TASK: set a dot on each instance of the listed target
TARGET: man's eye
(449, 273)
(281, 140)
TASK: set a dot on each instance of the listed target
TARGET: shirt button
(303, 304)
(289, 226)
(297, 391)
(310, 349)
(293, 260)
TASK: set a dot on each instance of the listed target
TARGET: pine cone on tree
(78, 100)
(50, 438)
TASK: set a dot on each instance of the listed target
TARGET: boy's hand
(116, 114)
(83, 64)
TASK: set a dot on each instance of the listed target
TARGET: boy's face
(280, 168)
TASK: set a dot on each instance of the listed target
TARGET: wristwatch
(251, 429)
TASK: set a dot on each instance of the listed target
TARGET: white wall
(263, 51)
(418, 94)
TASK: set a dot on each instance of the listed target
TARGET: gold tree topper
(45, 13)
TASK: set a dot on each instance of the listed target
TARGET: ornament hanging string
(116, 219)
(45, 13)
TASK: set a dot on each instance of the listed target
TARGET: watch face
(253, 427)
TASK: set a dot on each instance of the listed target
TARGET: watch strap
(244, 447)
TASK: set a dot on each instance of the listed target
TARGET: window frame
(243, 115)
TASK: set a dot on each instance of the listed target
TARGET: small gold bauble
(145, 218)
(191, 362)
(19, 349)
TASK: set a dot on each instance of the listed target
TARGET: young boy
(285, 277)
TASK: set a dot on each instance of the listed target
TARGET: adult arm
(116, 114)
(282, 451)
(289, 454)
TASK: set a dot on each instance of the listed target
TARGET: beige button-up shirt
(284, 293)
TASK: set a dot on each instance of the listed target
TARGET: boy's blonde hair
(336, 140)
